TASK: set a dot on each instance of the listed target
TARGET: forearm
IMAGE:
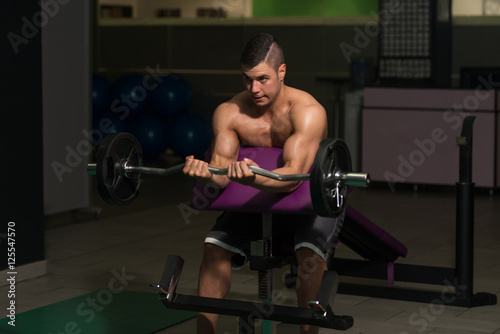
(217, 181)
(270, 185)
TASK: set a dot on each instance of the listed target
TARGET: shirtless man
(268, 113)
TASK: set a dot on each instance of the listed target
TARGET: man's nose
(254, 87)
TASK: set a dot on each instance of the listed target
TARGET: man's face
(263, 82)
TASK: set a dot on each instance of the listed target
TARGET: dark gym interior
(411, 86)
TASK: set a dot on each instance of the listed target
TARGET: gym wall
(21, 169)
(206, 52)
(318, 8)
(66, 58)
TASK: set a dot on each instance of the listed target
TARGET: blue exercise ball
(151, 132)
(106, 124)
(190, 134)
(129, 95)
(172, 96)
(100, 94)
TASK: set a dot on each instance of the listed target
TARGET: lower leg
(214, 281)
(310, 274)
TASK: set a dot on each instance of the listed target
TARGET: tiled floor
(134, 241)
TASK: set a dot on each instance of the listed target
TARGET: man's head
(263, 67)
(262, 48)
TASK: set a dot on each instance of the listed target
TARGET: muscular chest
(259, 132)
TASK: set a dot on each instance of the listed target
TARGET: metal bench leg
(268, 327)
(263, 249)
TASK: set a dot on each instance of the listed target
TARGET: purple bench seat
(240, 198)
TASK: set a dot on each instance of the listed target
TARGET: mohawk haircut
(262, 48)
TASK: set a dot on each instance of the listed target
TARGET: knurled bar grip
(351, 179)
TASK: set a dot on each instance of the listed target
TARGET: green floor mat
(99, 312)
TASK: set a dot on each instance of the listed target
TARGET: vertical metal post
(464, 248)
(267, 234)
(260, 251)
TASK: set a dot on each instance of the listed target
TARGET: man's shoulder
(231, 110)
(235, 103)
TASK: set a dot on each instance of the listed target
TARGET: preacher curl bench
(237, 197)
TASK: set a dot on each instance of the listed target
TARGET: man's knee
(213, 252)
(305, 253)
(308, 260)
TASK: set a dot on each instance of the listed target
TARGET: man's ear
(282, 72)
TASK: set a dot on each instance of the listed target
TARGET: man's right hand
(197, 169)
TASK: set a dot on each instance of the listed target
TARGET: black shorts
(235, 230)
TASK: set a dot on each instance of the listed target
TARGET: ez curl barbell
(119, 167)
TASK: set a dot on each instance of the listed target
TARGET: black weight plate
(114, 187)
(333, 155)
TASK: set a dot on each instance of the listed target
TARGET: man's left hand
(239, 172)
